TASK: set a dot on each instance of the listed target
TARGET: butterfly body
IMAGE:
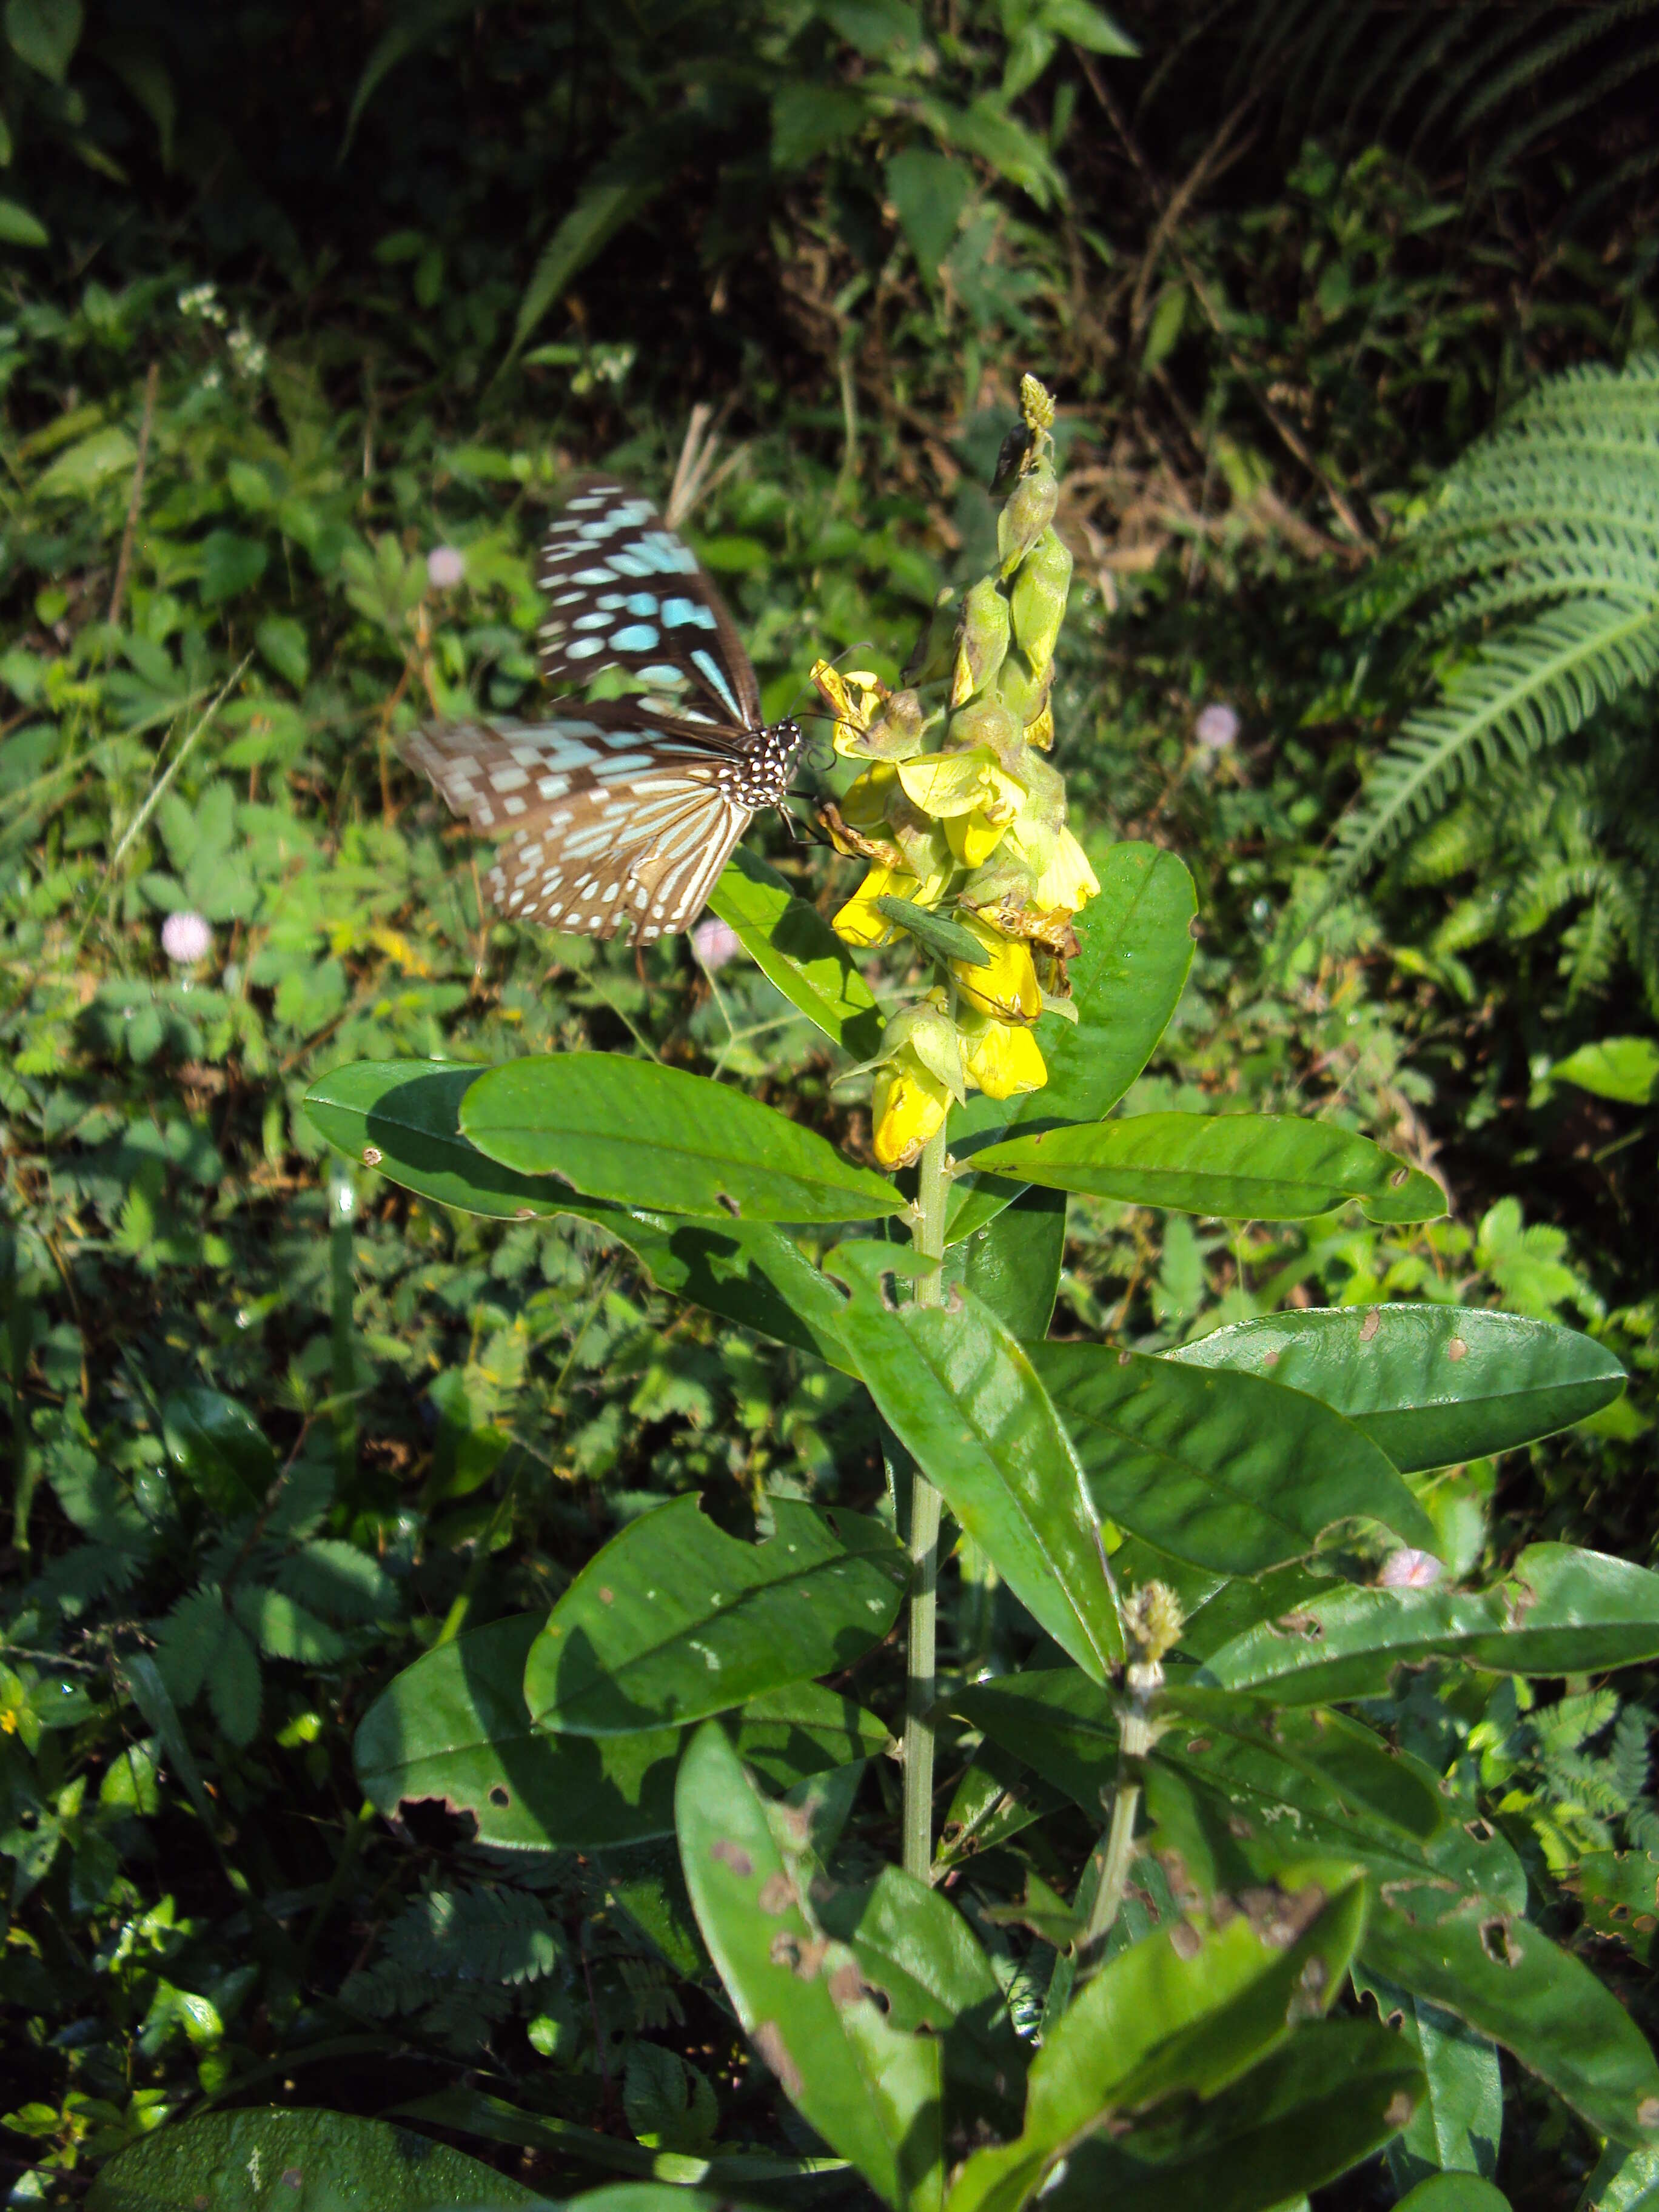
(625, 810)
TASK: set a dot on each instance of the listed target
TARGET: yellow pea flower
(857, 923)
(854, 698)
(1002, 1057)
(910, 1106)
(973, 837)
(1060, 874)
(1007, 984)
(944, 784)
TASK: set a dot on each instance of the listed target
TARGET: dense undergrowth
(286, 329)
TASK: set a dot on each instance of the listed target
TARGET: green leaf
(222, 1448)
(319, 2161)
(1509, 1981)
(455, 1727)
(1181, 2014)
(1235, 1474)
(674, 1619)
(1457, 2126)
(1135, 948)
(1325, 1764)
(1013, 1265)
(962, 1397)
(1559, 1610)
(1086, 25)
(19, 227)
(282, 640)
(44, 33)
(920, 1957)
(657, 1136)
(231, 564)
(1624, 2181)
(1241, 1167)
(1330, 2097)
(1624, 1068)
(78, 473)
(622, 188)
(871, 2091)
(1431, 1385)
(403, 1119)
(931, 193)
(1461, 2192)
(796, 948)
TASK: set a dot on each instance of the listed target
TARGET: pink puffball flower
(1408, 1570)
(445, 567)
(1216, 729)
(714, 942)
(186, 938)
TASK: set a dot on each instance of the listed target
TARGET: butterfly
(625, 810)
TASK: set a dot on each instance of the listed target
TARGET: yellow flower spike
(1036, 404)
(1006, 985)
(857, 923)
(944, 784)
(1002, 1057)
(909, 1105)
(974, 837)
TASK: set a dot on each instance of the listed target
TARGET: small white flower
(1408, 1570)
(186, 938)
(1216, 728)
(445, 567)
(715, 942)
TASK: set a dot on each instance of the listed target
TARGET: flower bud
(982, 642)
(927, 1031)
(1006, 983)
(1037, 602)
(1152, 1620)
(1030, 510)
(1001, 1058)
(909, 1107)
(1036, 404)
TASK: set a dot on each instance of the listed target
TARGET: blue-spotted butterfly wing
(606, 818)
(622, 591)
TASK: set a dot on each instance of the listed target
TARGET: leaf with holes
(455, 1728)
(1239, 1167)
(675, 1620)
(1224, 1470)
(1558, 1611)
(1430, 1384)
(871, 2091)
(1180, 2014)
(962, 1397)
(658, 1138)
(1457, 2126)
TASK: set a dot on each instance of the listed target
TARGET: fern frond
(1526, 690)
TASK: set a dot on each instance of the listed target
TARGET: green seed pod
(982, 640)
(1038, 599)
(1029, 511)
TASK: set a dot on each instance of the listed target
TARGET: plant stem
(1133, 1744)
(929, 1235)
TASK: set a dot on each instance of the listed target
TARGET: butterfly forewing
(624, 591)
(625, 810)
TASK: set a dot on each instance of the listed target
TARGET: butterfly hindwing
(622, 591)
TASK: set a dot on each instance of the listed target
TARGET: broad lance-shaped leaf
(402, 1118)
(1506, 1978)
(1430, 1384)
(1463, 2192)
(1459, 2122)
(961, 1396)
(1240, 1167)
(1181, 2013)
(455, 1728)
(1066, 1728)
(1226, 1470)
(661, 1138)
(797, 950)
(1135, 948)
(872, 2092)
(675, 1620)
(1559, 1610)
(222, 1448)
(1013, 1265)
(1325, 2100)
(318, 2159)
